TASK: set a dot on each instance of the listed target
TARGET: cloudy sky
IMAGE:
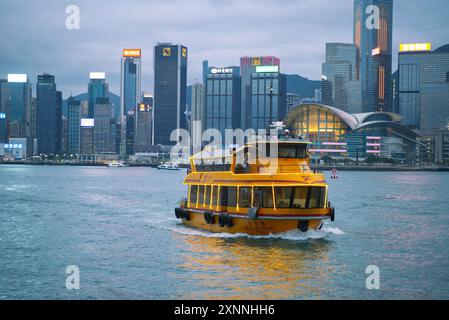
(34, 38)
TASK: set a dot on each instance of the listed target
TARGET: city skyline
(71, 54)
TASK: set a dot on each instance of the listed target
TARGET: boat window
(201, 195)
(232, 196)
(244, 197)
(207, 202)
(193, 194)
(263, 197)
(316, 197)
(300, 197)
(284, 197)
(291, 151)
(224, 196)
(214, 196)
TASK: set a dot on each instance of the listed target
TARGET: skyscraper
(423, 94)
(46, 114)
(248, 66)
(97, 88)
(143, 131)
(18, 105)
(340, 69)
(170, 91)
(373, 39)
(103, 118)
(74, 122)
(130, 88)
(222, 99)
(268, 97)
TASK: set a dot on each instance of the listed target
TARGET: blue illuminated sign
(2, 115)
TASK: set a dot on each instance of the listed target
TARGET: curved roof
(442, 49)
(355, 121)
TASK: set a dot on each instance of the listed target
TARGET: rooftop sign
(19, 78)
(415, 47)
(133, 53)
(260, 69)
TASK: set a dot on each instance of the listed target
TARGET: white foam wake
(294, 235)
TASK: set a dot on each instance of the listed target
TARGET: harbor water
(117, 225)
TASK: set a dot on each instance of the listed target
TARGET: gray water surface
(117, 225)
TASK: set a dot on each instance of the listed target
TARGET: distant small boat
(168, 166)
(117, 164)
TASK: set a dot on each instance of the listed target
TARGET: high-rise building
(143, 130)
(103, 117)
(130, 88)
(340, 69)
(248, 66)
(170, 91)
(268, 97)
(32, 119)
(197, 112)
(58, 137)
(18, 105)
(222, 99)
(373, 39)
(97, 88)
(87, 136)
(47, 115)
(4, 98)
(74, 122)
(423, 93)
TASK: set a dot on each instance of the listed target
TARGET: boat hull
(244, 225)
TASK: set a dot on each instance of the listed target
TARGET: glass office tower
(374, 44)
(222, 99)
(97, 88)
(46, 114)
(170, 91)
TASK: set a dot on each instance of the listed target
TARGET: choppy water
(117, 225)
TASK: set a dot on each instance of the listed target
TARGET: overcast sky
(34, 38)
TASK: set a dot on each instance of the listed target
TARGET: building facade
(143, 128)
(104, 124)
(338, 134)
(423, 95)
(341, 70)
(74, 125)
(97, 88)
(248, 67)
(47, 126)
(268, 97)
(373, 40)
(170, 91)
(222, 99)
(18, 109)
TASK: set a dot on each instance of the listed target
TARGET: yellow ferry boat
(256, 197)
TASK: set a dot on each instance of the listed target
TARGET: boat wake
(294, 235)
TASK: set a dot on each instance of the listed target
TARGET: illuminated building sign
(323, 77)
(2, 115)
(144, 107)
(97, 75)
(13, 146)
(184, 52)
(267, 69)
(166, 52)
(19, 78)
(415, 47)
(375, 51)
(87, 123)
(221, 70)
(133, 53)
